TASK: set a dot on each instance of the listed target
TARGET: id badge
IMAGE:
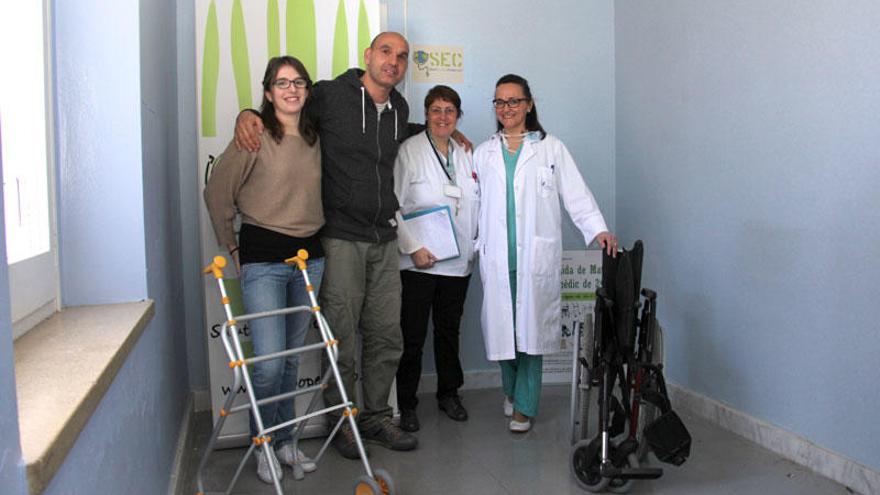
(452, 191)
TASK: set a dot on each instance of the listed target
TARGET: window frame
(34, 286)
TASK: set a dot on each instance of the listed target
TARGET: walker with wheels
(374, 481)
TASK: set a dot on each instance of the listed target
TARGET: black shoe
(345, 444)
(408, 420)
(453, 408)
(388, 435)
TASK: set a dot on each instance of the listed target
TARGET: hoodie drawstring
(395, 124)
(363, 112)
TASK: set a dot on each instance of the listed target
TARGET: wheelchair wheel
(618, 485)
(585, 465)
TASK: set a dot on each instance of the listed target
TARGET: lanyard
(440, 160)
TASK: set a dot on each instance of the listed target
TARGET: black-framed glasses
(285, 83)
(512, 103)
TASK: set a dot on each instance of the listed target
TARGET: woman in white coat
(431, 171)
(523, 172)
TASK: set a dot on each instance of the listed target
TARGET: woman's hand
(423, 258)
(248, 127)
(462, 140)
(608, 241)
(233, 253)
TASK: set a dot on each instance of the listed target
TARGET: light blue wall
(12, 474)
(748, 160)
(97, 83)
(567, 54)
(128, 444)
(191, 255)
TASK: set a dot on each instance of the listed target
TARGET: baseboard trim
(793, 447)
(201, 400)
(178, 477)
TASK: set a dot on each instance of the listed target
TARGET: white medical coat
(545, 171)
(418, 183)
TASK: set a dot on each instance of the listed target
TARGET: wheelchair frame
(614, 454)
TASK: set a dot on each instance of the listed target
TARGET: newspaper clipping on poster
(581, 276)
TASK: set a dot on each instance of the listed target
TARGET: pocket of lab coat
(546, 183)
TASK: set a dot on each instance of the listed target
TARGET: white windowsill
(63, 367)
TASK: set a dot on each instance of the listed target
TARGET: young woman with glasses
(277, 192)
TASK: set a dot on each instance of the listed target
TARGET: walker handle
(216, 266)
(299, 260)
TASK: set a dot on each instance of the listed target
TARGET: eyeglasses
(285, 83)
(437, 111)
(512, 103)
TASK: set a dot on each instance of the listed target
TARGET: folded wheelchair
(621, 355)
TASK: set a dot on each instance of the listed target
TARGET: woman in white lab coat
(523, 172)
(431, 171)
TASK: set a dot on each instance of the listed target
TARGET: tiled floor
(481, 457)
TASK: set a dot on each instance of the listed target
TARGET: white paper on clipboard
(433, 228)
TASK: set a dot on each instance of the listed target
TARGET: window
(27, 153)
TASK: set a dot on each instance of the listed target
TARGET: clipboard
(434, 229)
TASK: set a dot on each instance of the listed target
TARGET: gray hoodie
(358, 149)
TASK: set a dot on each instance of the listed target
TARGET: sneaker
(386, 434)
(508, 407)
(408, 420)
(453, 408)
(345, 444)
(520, 426)
(263, 471)
(287, 455)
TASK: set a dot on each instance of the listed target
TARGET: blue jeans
(264, 287)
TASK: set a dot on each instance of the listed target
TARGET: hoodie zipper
(378, 175)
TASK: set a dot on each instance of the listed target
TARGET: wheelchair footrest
(630, 473)
(640, 473)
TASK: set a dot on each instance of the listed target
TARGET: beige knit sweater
(277, 188)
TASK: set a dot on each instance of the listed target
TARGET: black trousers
(442, 297)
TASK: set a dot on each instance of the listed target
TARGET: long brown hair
(267, 109)
(532, 123)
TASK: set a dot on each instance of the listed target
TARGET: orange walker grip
(299, 260)
(216, 266)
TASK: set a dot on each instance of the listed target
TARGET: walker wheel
(380, 484)
(585, 465)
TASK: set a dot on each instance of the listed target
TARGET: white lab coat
(545, 171)
(418, 184)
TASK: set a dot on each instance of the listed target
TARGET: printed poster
(581, 276)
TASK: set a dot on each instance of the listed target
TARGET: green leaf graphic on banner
(363, 34)
(210, 73)
(240, 63)
(340, 42)
(302, 35)
(233, 291)
(273, 33)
